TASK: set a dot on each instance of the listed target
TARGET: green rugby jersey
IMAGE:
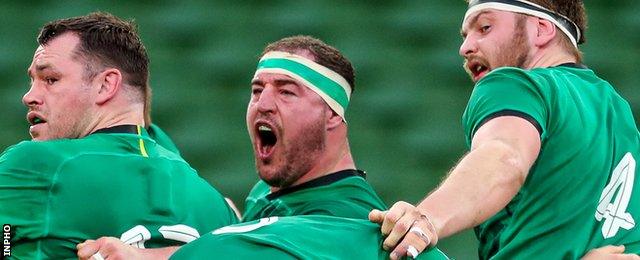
(579, 194)
(342, 194)
(115, 182)
(294, 237)
(158, 135)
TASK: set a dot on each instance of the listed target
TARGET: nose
(267, 100)
(31, 98)
(467, 47)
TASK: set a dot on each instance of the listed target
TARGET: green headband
(328, 84)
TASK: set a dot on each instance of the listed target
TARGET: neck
(554, 56)
(336, 157)
(126, 115)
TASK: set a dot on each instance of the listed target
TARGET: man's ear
(110, 82)
(333, 120)
(546, 31)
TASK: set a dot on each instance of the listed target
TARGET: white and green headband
(565, 24)
(328, 84)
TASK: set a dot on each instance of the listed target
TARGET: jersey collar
(573, 65)
(321, 181)
(120, 129)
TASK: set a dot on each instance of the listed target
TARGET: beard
(300, 153)
(68, 123)
(515, 53)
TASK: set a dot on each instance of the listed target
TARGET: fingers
(420, 236)
(87, 249)
(394, 215)
(97, 256)
(399, 230)
(610, 252)
(377, 216)
(612, 249)
(104, 247)
(408, 231)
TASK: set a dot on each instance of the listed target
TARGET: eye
(287, 92)
(256, 90)
(485, 28)
(50, 80)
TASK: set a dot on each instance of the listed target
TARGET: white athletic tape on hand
(418, 231)
(97, 256)
(412, 251)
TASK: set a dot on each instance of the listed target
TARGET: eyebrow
(473, 21)
(278, 82)
(41, 67)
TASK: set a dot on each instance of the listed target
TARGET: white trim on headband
(524, 10)
(313, 65)
(332, 103)
(324, 71)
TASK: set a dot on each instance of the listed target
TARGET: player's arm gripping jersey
(295, 237)
(117, 182)
(581, 189)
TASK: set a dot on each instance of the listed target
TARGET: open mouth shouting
(476, 69)
(266, 138)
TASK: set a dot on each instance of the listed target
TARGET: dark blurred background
(404, 116)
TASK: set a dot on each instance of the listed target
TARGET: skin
(308, 146)
(312, 142)
(502, 150)
(71, 105)
(58, 94)
(479, 48)
(276, 101)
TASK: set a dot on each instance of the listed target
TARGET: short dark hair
(323, 53)
(106, 41)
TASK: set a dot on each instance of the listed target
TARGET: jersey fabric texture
(116, 182)
(578, 194)
(342, 194)
(296, 237)
(162, 138)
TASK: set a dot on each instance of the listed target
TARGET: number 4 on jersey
(614, 212)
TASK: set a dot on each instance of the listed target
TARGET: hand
(404, 221)
(609, 252)
(107, 248)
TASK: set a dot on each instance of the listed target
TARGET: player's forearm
(483, 183)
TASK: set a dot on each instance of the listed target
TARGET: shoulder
(162, 138)
(259, 190)
(28, 150)
(29, 163)
(526, 77)
(512, 75)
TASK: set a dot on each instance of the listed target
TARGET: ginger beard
(513, 53)
(294, 152)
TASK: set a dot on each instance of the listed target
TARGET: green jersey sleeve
(505, 91)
